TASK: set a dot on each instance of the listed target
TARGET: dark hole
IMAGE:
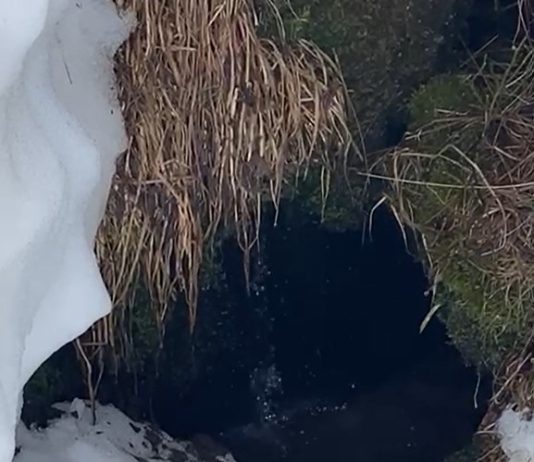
(324, 360)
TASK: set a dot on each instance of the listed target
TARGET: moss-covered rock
(440, 96)
(443, 171)
(335, 202)
(386, 48)
(436, 208)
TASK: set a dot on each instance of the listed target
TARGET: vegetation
(53, 382)
(217, 131)
(462, 178)
(385, 50)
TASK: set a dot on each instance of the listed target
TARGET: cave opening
(324, 358)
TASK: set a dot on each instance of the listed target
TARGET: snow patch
(114, 438)
(516, 432)
(60, 132)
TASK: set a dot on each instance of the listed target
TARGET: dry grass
(219, 120)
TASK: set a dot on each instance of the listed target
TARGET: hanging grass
(219, 121)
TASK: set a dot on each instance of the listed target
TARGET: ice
(60, 132)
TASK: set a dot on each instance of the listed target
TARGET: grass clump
(463, 179)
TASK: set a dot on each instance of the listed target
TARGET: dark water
(327, 362)
(422, 415)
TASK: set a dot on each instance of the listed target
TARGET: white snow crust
(114, 438)
(516, 432)
(60, 133)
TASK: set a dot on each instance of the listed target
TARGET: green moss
(341, 209)
(58, 379)
(385, 49)
(442, 94)
(476, 312)
(144, 334)
(41, 391)
(484, 313)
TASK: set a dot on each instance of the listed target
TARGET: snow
(60, 132)
(114, 438)
(516, 432)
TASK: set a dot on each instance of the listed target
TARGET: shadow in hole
(346, 314)
(337, 320)
(423, 415)
(346, 307)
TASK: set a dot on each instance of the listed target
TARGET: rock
(386, 48)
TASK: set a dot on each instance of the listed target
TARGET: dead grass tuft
(219, 120)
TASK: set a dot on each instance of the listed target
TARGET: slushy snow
(114, 438)
(60, 133)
